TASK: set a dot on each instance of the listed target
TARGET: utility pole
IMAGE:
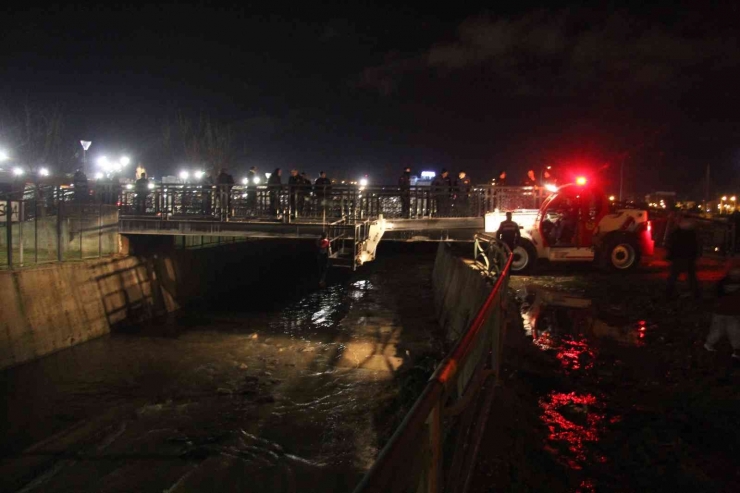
(621, 177)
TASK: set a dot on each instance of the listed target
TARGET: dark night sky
(370, 86)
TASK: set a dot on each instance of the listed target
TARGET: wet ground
(607, 388)
(293, 395)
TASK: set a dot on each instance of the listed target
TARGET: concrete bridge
(356, 218)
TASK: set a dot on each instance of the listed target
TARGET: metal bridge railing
(50, 224)
(434, 448)
(222, 202)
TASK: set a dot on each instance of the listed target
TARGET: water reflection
(573, 420)
(568, 324)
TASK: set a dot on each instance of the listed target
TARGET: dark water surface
(274, 390)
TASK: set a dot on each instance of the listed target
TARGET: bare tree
(34, 137)
(199, 141)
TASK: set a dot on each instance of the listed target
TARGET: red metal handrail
(428, 405)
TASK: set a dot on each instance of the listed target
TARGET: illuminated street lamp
(363, 182)
(85, 146)
(184, 175)
(18, 171)
(43, 172)
(199, 174)
(611, 198)
(124, 160)
(256, 180)
(4, 156)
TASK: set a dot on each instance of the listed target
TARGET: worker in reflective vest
(508, 232)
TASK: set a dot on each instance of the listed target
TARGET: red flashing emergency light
(581, 180)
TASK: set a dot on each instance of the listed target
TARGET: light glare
(17, 171)
(44, 172)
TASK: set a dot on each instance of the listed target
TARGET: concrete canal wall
(55, 306)
(459, 291)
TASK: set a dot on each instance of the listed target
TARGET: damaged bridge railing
(434, 448)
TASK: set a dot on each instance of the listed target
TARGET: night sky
(369, 87)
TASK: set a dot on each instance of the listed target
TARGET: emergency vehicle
(576, 224)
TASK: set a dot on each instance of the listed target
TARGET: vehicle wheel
(525, 256)
(623, 254)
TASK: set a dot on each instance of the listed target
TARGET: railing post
(435, 437)
(100, 230)
(9, 229)
(36, 225)
(60, 205)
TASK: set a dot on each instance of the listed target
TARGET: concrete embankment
(459, 291)
(55, 306)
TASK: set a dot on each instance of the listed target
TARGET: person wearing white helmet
(726, 316)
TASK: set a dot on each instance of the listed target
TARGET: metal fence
(49, 224)
(434, 448)
(305, 201)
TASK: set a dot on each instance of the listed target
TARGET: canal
(286, 388)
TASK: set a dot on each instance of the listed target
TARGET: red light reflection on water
(575, 436)
(572, 354)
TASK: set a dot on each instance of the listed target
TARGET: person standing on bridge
(462, 194)
(224, 181)
(404, 183)
(323, 256)
(80, 184)
(274, 185)
(252, 182)
(726, 316)
(322, 187)
(441, 191)
(508, 232)
(142, 190)
(295, 184)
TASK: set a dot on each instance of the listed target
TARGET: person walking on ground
(441, 190)
(323, 257)
(404, 183)
(322, 187)
(508, 232)
(224, 181)
(462, 194)
(682, 251)
(726, 316)
(142, 190)
(274, 185)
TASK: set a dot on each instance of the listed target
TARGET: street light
(18, 171)
(245, 181)
(256, 180)
(124, 160)
(85, 146)
(184, 175)
(363, 182)
(4, 156)
(199, 174)
(44, 172)
(99, 175)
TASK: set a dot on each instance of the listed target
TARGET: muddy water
(249, 395)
